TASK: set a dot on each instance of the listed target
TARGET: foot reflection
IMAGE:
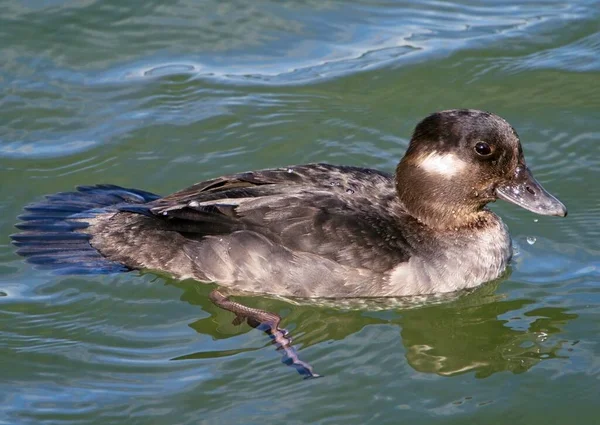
(478, 332)
(269, 323)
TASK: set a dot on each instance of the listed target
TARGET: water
(160, 96)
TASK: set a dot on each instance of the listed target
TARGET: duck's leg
(268, 323)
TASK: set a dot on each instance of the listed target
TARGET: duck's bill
(525, 191)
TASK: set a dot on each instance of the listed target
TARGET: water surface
(159, 96)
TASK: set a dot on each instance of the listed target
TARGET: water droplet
(535, 220)
(476, 194)
(531, 240)
(350, 191)
(289, 170)
(164, 213)
(332, 183)
(193, 204)
(220, 239)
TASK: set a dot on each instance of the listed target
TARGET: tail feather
(46, 225)
(50, 237)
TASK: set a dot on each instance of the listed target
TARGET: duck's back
(314, 230)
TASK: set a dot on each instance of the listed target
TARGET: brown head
(458, 161)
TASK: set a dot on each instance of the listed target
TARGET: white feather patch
(446, 164)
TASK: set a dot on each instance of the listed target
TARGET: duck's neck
(439, 203)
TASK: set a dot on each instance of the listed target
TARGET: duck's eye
(483, 149)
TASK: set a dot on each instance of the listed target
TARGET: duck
(315, 230)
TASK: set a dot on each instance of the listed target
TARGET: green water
(159, 95)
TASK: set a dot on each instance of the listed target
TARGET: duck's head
(458, 161)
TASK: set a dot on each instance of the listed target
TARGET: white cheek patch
(446, 164)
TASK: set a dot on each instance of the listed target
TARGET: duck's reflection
(488, 338)
(479, 332)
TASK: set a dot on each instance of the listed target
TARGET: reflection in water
(447, 340)
(479, 332)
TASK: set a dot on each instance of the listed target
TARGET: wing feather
(300, 210)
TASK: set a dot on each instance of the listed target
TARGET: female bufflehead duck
(313, 230)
